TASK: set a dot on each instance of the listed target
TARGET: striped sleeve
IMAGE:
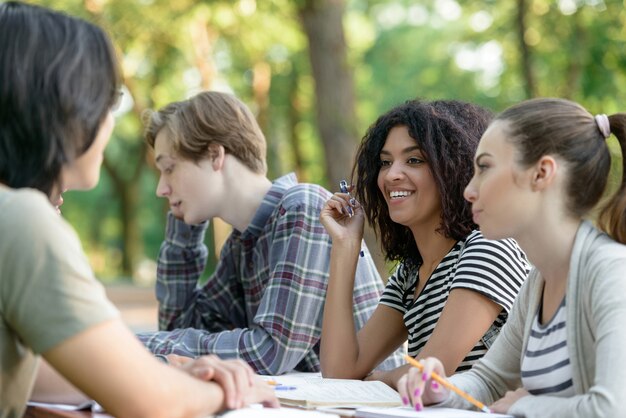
(495, 269)
(393, 295)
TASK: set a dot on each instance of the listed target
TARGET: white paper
(315, 390)
(428, 412)
(89, 406)
(343, 411)
(274, 413)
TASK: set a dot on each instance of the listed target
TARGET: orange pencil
(449, 385)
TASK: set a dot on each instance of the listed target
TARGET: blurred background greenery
(316, 73)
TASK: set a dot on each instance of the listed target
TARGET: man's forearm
(255, 346)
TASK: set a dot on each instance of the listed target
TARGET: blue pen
(282, 387)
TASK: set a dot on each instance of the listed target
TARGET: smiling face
(194, 190)
(502, 200)
(406, 182)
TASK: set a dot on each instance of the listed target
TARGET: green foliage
(399, 49)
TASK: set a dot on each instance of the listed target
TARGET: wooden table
(41, 412)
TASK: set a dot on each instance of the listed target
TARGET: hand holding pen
(343, 217)
(343, 188)
(426, 383)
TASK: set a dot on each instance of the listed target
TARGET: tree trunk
(294, 116)
(575, 65)
(323, 24)
(528, 75)
(127, 191)
(322, 21)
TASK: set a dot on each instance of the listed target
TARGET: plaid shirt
(265, 300)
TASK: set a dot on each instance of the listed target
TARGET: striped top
(495, 269)
(546, 368)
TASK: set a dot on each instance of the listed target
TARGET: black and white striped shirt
(495, 269)
(546, 368)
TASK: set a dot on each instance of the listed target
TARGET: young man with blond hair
(264, 302)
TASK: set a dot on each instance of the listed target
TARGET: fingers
(202, 370)
(343, 203)
(338, 204)
(262, 393)
(410, 387)
(234, 376)
(240, 384)
(176, 360)
(417, 387)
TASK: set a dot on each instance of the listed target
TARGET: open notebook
(310, 390)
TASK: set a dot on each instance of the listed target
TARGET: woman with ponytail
(540, 168)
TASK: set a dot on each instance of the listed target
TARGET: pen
(343, 188)
(272, 382)
(449, 385)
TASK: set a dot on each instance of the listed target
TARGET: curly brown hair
(447, 132)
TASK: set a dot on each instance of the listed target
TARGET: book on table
(310, 390)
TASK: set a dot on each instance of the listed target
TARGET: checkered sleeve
(182, 304)
(287, 323)
(182, 259)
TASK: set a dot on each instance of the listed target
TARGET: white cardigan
(596, 338)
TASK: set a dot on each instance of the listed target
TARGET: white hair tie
(604, 126)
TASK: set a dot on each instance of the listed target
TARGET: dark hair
(562, 128)
(59, 80)
(447, 132)
(209, 118)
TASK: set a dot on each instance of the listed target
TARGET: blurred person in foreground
(60, 81)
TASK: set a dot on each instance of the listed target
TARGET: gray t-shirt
(48, 292)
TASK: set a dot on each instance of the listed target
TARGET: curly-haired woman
(453, 289)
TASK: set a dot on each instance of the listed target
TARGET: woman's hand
(343, 218)
(503, 405)
(418, 389)
(236, 378)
